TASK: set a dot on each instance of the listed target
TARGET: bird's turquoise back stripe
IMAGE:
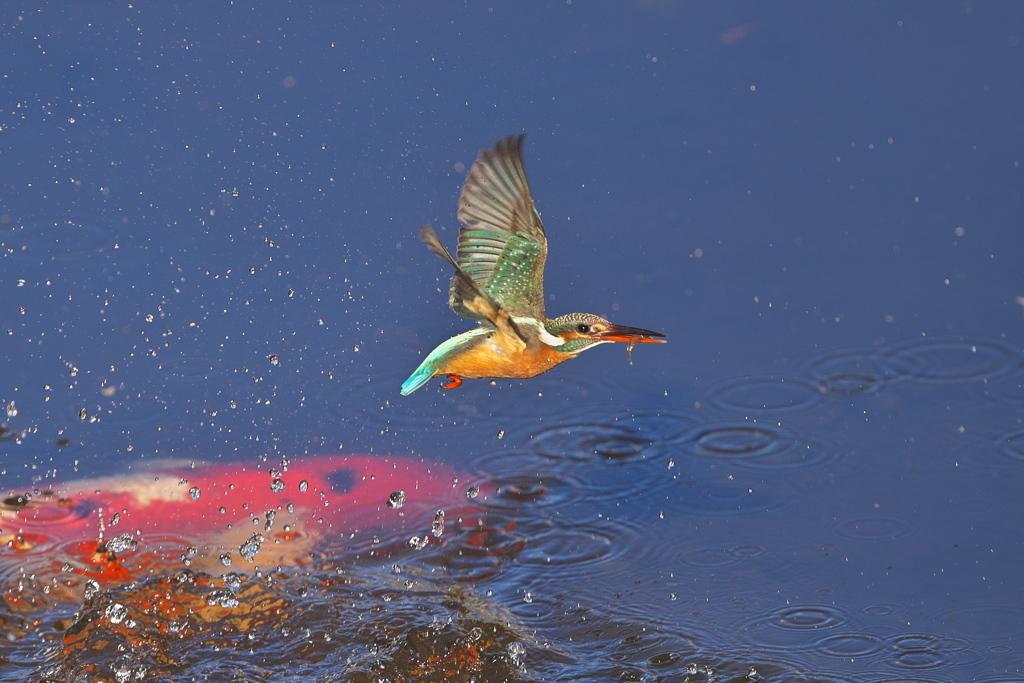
(429, 367)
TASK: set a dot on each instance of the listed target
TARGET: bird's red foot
(454, 381)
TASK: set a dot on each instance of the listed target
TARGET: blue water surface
(209, 252)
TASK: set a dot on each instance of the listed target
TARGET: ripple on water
(950, 360)
(569, 551)
(721, 557)
(476, 551)
(594, 554)
(973, 507)
(42, 525)
(611, 433)
(57, 238)
(766, 394)
(755, 444)
(901, 679)
(731, 497)
(847, 373)
(979, 431)
(884, 609)
(797, 626)
(873, 527)
(46, 508)
(525, 480)
(534, 606)
(1007, 390)
(616, 457)
(859, 645)
(920, 651)
(1012, 446)
(586, 442)
(617, 649)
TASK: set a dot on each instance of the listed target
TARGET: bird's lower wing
(468, 299)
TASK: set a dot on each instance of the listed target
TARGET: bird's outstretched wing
(468, 299)
(502, 244)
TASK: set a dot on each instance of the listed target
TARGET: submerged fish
(209, 517)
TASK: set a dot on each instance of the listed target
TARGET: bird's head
(580, 331)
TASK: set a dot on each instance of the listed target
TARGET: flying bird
(499, 282)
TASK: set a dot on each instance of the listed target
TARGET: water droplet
(12, 409)
(222, 597)
(249, 549)
(116, 612)
(277, 485)
(437, 528)
(528, 597)
(517, 654)
(92, 589)
(303, 485)
(114, 519)
(232, 581)
(501, 434)
(225, 559)
(472, 492)
(125, 668)
(274, 359)
(396, 500)
(121, 543)
(419, 542)
(194, 493)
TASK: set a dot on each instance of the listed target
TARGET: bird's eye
(583, 329)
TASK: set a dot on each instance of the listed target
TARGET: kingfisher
(499, 282)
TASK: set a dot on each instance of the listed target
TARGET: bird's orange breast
(487, 358)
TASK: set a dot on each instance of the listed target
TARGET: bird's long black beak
(633, 335)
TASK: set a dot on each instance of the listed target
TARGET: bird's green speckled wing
(502, 244)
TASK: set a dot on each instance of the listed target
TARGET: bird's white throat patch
(542, 332)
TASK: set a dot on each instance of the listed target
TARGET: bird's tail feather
(416, 380)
